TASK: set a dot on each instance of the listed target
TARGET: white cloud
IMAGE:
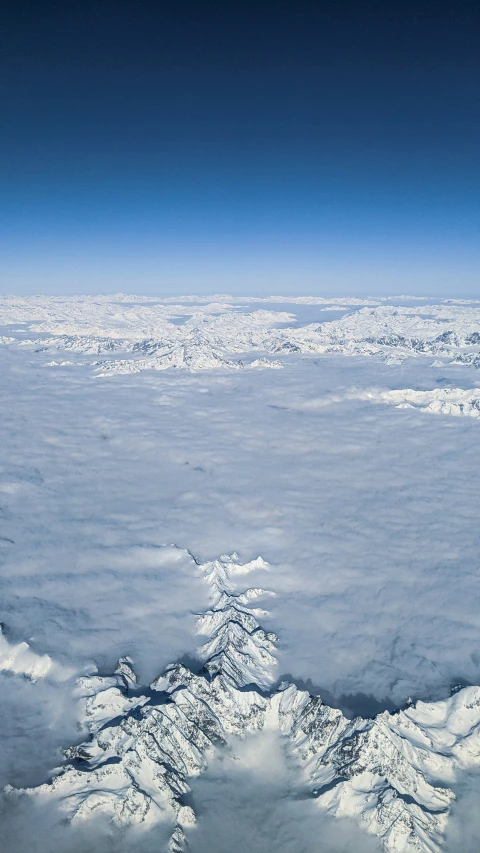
(367, 514)
(19, 659)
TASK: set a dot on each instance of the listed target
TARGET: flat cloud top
(367, 514)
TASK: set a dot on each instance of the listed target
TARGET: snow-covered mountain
(212, 334)
(457, 402)
(392, 773)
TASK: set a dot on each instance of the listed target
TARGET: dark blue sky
(160, 147)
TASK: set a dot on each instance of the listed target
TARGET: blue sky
(300, 148)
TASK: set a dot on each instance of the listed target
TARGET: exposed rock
(392, 773)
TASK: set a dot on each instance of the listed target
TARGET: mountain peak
(391, 773)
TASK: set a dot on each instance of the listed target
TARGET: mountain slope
(391, 773)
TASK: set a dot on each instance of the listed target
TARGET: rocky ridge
(392, 773)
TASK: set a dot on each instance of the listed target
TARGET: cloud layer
(367, 515)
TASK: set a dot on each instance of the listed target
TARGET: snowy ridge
(457, 402)
(192, 356)
(134, 768)
(238, 647)
(195, 334)
(391, 773)
(439, 401)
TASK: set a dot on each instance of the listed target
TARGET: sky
(269, 147)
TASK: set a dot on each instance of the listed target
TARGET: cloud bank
(365, 513)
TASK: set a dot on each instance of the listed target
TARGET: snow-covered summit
(392, 773)
(228, 333)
